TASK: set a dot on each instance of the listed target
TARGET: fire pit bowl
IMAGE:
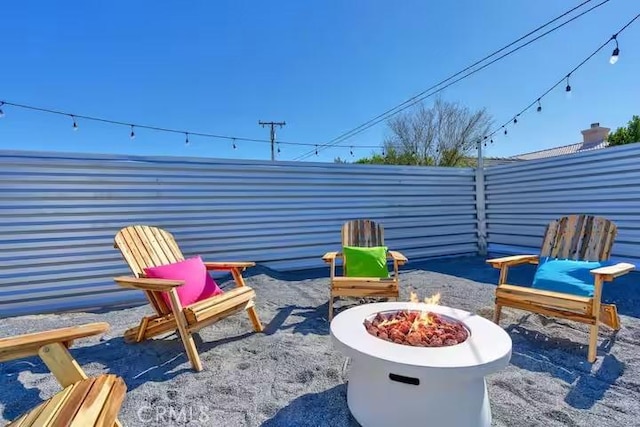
(393, 384)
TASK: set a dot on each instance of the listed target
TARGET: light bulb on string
(75, 125)
(505, 130)
(234, 144)
(616, 52)
(351, 151)
(133, 134)
(1, 111)
(539, 109)
(515, 120)
(316, 149)
(278, 148)
(186, 138)
(568, 88)
(491, 141)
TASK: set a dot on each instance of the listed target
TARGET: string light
(75, 125)
(616, 51)
(133, 134)
(278, 146)
(186, 138)
(515, 120)
(316, 149)
(351, 151)
(234, 144)
(568, 88)
(1, 111)
(539, 109)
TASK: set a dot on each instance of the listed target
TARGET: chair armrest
(330, 257)
(228, 265)
(29, 344)
(147, 284)
(397, 257)
(513, 260)
(610, 272)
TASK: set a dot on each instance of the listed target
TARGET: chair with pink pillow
(181, 291)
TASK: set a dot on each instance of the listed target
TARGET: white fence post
(480, 204)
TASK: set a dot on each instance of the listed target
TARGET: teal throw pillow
(365, 262)
(566, 276)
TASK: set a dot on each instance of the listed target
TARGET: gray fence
(59, 213)
(522, 198)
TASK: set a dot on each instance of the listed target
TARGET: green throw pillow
(365, 262)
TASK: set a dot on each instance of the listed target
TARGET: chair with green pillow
(572, 266)
(364, 264)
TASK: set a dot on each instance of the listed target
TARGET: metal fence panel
(59, 213)
(523, 197)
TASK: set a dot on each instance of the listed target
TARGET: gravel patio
(291, 376)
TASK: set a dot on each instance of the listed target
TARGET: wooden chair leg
(593, 343)
(496, 314)
(255, 320)
(595, 312)
(187, 338)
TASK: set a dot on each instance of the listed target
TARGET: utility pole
(273, 134)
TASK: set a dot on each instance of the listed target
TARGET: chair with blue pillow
(572, 266)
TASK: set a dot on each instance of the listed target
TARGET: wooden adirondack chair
(142, 247)
(362, 233)
(84, 401)
(575, 237)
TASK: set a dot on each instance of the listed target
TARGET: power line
(564, 78)
(132, 126)
(430, 91)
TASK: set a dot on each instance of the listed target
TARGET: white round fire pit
(393, 384)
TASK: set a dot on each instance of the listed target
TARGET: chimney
(594, 135)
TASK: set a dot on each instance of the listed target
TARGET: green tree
(444, 134)
(626, 135)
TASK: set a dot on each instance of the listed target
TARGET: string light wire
(566, 76)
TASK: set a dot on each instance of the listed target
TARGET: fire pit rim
(488, 346)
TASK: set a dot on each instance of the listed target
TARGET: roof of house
(560, 151)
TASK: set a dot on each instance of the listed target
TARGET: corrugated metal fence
(59, 213)
(522, 198)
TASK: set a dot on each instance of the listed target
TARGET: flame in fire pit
(417, 328)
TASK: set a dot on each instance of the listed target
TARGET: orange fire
(424, 318)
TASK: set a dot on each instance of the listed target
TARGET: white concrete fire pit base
(396, 385)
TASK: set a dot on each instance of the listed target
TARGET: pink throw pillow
(198, 284)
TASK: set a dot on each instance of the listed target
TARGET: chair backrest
(579, 237)
(143, 246)
(362, 233)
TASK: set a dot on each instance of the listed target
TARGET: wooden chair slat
(146, 246)
(362, 233)
(73, 402)
(109, 412)
(53, 407)
(167, 245)
(94, 401)
(579, 237)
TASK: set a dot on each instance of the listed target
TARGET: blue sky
(323, 66)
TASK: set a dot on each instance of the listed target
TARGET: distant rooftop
(593, 138)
